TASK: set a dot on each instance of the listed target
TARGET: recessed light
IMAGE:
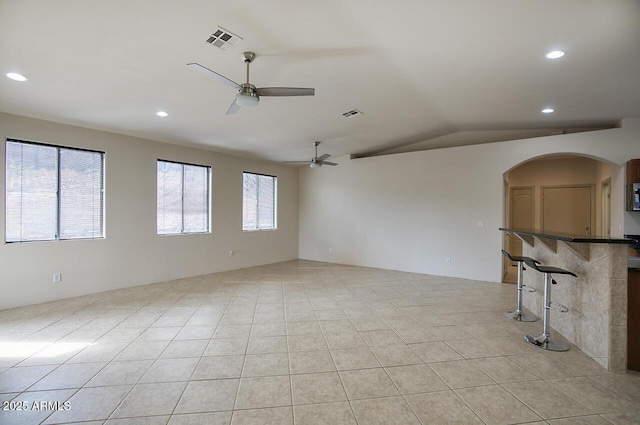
(555, 54)
(16, 77)
(547, 110)
(162, 114)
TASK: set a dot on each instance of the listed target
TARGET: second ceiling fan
(316, 161)
(248, 94)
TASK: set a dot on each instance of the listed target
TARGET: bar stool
(518, 314)
(544, 339)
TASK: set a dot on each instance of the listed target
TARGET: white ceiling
(418, 70)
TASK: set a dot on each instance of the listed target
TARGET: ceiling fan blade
(295, 162)
(323, 157)
(327, 163)
(233, 108)
(285, 91)
(215, 75)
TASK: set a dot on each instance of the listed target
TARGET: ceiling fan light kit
(247, 99)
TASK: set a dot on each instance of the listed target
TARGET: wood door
(505, 221)
(566, 209)
(521, 215)
(606, 208)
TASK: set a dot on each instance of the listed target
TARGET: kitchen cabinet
(633, 171)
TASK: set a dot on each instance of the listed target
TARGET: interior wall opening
(559, 193)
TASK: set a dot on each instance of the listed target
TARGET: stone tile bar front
(597, 299)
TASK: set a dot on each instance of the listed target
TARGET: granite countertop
(569, 237)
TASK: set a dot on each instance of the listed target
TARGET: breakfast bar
(596, 300)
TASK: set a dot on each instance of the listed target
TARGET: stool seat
(516, 258)
(547, 269)
(554, 270)
(518, 314)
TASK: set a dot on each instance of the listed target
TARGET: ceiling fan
(248, 95)
(316, 161)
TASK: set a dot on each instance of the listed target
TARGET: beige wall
(409, 211)
(132, 253)
(405, 212)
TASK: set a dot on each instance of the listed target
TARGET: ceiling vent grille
(223, 39)
(352, 113)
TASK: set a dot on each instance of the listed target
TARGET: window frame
(275, 203)
(209, 169)
(58, 149)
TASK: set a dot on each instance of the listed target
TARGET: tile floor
(300, 343)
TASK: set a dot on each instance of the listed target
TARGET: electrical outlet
(57, 277)
(330, 250)
(447, 260)
(480, 224)
(230, 253)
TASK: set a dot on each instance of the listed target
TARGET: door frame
(592, 206)
(605, 205)
(505, 222)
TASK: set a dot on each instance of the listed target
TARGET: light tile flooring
(300, 343)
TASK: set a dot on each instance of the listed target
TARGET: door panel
(567, 210)
(521, 215)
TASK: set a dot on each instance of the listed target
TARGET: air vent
(223, 39)
(352, 113)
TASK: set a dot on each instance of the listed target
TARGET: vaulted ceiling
(424, 73)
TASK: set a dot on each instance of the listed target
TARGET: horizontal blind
(183, 198)
(53, 192)
(31, 192)
(259, 202)
(169, 198)
(249, 201)
(81, 194)
(196, 199)
(266, 202)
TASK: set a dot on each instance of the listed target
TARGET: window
(183, 198)
(259, 195)
(53, 192)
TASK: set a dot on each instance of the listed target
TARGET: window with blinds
(183, 192)
(53, 192)
(259, 200)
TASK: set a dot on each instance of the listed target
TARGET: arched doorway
(557, 193)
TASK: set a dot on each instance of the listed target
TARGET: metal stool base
(520, 316)
(546, 343)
